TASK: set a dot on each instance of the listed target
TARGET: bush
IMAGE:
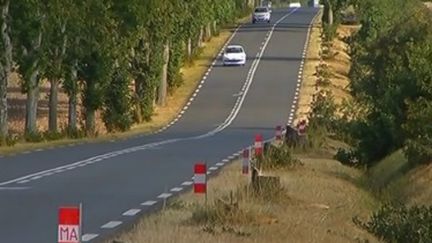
(347, 157)
(329, 32)
(35, 137)
(400, 223)
(279, 157)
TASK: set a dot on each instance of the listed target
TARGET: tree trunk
(208, 32)
(90, 122)
(5, 71)
(32, 103)
(53, 103)
(200, 37)
(163, 87)
(328, 13)
(189, 48)
(72, 109)
(215, 28)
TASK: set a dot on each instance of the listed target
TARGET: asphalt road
(233, 104)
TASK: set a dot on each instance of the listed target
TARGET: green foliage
(400, 223)
(116, 114)
(390, 76)
(279, 157)
(323, 111)
(106, 44)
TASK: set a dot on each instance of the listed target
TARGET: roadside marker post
(278, 134)
(258, 146)
(246, 161)
(69, 225)
(200, 179)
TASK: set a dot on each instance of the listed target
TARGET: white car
(295, 5)
(261, 14)
(234, 55)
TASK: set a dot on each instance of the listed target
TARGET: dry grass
(339, 66)
(308, 88)
(319, 202)
(192, 74)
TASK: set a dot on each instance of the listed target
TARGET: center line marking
(176, 189)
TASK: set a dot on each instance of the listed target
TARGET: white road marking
(176, 189)
(23, 181)
(16, 188)
(213, 168)
(164, 195)
(187, 183)
(132, 212)
(220, 164)
(208, 172)
(225, 160)
(88, 237)
(111, 224)
(148, 203)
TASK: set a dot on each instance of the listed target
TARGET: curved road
(110, 179)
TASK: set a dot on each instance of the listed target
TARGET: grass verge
(314, 205)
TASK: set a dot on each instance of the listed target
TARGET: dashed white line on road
(111, 224)
(213, 168)
(164, 195)
(176, 189)
(88, 237)
(220, 164)
(131, 212)
(187, 183)
(148, 203)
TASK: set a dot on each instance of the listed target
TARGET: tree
(28, 19)
(5, 68)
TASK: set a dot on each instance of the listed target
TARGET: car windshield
(234, 50)
(261, 10)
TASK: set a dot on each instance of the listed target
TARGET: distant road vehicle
(261, 14)
(295, 5)
(234, 55)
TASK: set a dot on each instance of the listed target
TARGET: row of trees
(96, 49)
(391, 81)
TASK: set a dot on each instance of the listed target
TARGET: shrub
(35, 137)
(279, 157)
(398, 223)
(347, 157)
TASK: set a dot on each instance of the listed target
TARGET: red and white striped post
(258, 146)
(200, 178)
(246, 162)
(69, 226)
(278, 134)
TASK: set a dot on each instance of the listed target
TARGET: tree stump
(291, 136)
(265, 185)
